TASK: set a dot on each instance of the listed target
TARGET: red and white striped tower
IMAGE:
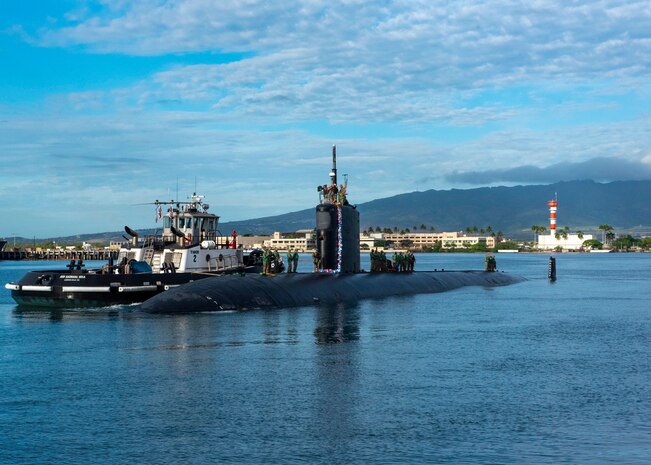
(553, 204)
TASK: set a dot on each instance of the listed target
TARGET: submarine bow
(294, 290)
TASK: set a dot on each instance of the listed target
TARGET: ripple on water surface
(531, 373)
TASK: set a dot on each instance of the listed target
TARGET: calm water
(531, 373)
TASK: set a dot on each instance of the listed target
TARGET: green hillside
(582, 205)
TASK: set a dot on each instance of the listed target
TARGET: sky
(108, 105)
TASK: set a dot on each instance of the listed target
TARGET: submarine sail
(337, 226)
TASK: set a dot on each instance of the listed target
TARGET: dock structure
(58, 255)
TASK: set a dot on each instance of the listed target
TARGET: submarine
(337, 278)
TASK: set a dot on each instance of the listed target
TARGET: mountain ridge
(582, 205)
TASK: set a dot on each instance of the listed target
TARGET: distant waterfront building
(425, 240)
(250, 241)
(303, 240)
(551, 242)
(117, 245)
(573, 242)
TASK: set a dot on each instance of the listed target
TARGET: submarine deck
(300, 289)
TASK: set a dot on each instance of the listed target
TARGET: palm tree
(579, 234)
(537, 230)
(606, 228)
(563, 232)
(432, 229)
(423, 227)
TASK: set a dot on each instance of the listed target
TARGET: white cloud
(428, 36)
(412, 91)
(395, 61)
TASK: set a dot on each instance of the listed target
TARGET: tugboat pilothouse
(189, 248)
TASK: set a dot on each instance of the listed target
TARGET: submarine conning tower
(337, 226)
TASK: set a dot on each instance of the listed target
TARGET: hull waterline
(56, 289)
(293, 290)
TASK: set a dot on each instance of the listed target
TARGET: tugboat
(188, 249)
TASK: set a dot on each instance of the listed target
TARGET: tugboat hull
(77, 290)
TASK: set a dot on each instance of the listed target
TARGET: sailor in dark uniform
(316, 257)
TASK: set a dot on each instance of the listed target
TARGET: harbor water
(538, 372)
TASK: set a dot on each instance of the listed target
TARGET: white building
(304, 240)
(551, 242)
(422, 240)
(573, 241)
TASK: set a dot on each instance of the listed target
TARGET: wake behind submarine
(338, 279)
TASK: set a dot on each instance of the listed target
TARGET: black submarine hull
(253, 291)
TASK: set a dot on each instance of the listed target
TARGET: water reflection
(335, 410)
(60, 314)
(337, 324)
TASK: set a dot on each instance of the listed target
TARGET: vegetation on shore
(621, 243)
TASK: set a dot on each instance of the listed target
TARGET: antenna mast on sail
(333, 173)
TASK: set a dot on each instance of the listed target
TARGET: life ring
(221, 258)
(44, 280)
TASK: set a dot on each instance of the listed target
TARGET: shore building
(564, 242)
(303, 240)
(423, 240)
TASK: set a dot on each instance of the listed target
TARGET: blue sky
(109, 104)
